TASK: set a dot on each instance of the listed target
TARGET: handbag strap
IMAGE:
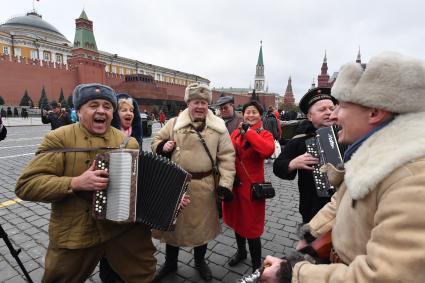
(243, 166)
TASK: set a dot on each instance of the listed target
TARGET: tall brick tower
(288, 97)
(259, 72)
(85, 56)
(323, 78)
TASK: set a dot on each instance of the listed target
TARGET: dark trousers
(131, 254)
(172, 253)
(254, 245)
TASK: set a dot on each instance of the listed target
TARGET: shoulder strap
(206, 149)
(125, 142)
(299, 136)
(172, 129)
(77, 149)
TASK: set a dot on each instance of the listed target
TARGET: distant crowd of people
(371, 227)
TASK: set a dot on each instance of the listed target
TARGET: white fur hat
(198, 91)
(391, 81)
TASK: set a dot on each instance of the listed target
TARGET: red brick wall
(16, 77)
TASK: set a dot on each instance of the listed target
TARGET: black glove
(304, 233)
(245, 126)
(285, 274)
(224, 193)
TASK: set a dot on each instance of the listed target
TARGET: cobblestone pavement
(26, 223)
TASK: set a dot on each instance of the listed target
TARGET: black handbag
(262, 191)
(259, 191)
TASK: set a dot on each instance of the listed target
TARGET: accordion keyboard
(323, 187)
(100, 196)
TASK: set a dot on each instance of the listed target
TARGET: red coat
(242, 214)
(162, 117)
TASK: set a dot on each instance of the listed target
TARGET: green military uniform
(77, 241)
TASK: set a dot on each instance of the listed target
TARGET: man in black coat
(318, 105)
(57, 117)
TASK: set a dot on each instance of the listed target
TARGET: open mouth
(99, 120)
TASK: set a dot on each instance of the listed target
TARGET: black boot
(200, 263)
(241, 252)
(237, 257)
(255, 250)
(204, 270)
(170, 264)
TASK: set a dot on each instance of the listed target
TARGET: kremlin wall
(81, 62)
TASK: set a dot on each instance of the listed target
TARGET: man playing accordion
(317, 104)
(67, 180)
(198, 141)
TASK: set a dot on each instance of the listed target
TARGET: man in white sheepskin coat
(377, 214)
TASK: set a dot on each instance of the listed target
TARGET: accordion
(142, 188)
(325, 147)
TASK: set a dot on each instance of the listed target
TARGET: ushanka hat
(198, 91)
(85, 92)
(391, 81)
(313, 95)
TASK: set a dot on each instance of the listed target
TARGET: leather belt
(334, 257)
(200, 175)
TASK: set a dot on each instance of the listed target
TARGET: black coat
(56, 120)
(310, 203)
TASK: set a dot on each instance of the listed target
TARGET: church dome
(33, 21)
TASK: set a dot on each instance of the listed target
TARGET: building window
(114, 69)
(34, 54)
(107, 68)
(5, 50)
(46, 56)
(17, 51)
(128, 72)
(158, 77)
(59, 58)
(121, 71)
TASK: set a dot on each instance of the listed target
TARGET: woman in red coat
(252, 145)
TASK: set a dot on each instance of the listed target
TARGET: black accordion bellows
(325, 147)
(143, 188)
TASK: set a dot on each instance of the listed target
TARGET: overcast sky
(220, 39)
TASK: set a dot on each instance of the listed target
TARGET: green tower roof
(83, 15)
(84, 37)
(260, 56)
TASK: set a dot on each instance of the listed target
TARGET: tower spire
(359, 58)
(259, 72)
(85, 55)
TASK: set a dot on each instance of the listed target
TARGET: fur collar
(211, 121)
(396, 144)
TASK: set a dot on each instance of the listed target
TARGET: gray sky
(219, 39)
